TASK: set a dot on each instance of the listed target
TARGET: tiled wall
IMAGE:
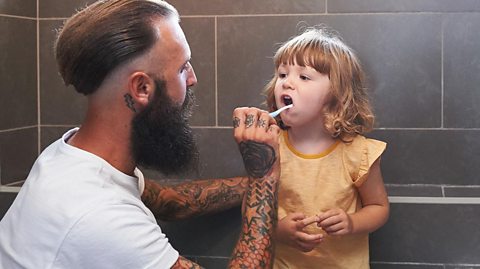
(423, 62)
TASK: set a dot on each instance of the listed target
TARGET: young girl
(331, 193)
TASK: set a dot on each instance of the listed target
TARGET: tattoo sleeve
(255, 247)
(193, 198)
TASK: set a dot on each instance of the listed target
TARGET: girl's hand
(335, 222)
(290, 231)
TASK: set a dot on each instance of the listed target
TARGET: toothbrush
(278, 111)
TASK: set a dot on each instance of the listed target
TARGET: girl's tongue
(287, 100)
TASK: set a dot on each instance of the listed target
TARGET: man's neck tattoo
(129, 101)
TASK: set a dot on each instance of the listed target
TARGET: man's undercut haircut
(106, 34)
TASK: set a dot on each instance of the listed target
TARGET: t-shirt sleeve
(116, 236)
(361, 154)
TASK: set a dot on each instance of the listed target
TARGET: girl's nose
(287, 83)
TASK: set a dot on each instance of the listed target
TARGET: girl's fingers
(305, 237)
(307, 221)
(297, 216)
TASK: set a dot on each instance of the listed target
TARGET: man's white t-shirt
(75, 210)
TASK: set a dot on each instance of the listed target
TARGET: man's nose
(192, 78)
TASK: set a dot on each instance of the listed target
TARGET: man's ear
(141, 88)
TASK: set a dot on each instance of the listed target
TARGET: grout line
(12, 184)
(407, 263)
(327, 14)
(209, 257)
(433, 200)
(424, 263)
(211, 127)
(17, 17)
(416, 185)
(378, 129)
(39, 130)
(427, 129)
(59, 125)
(442, 78)
(216, 70)
(53, 19)
(17, 129)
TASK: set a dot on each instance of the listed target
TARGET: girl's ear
(141, 88)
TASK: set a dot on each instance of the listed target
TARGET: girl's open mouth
(287, 100)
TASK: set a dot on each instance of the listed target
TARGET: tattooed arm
(193, 198)
(257, 136)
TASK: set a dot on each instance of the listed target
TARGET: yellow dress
(312, 184)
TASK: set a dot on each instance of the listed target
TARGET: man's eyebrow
(184, 63)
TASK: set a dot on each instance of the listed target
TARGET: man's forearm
(255, 247)
(193, 198)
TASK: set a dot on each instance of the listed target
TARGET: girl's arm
(373, 214)
(193, 198)
(375, 204)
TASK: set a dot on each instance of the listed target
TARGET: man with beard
(80, 206)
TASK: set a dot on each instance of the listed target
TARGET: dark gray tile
(26, 8)
(232, 7)
(429, 157)
(426, 233)
(18, 151)
(213, 262)
(404, 266)
(462, 66)
(6, 200)
(349, 6)
(214, 235)
(401, 55)
(471, 191)
(18, 75)
(414, 190)
(200, 33)
(60, 9)
(49, 135)
(60, 105)
(219, 156)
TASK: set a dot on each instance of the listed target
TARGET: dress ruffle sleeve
(360, 155)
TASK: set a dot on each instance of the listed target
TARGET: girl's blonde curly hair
(348, 111)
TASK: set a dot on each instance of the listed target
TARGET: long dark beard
(161, 136)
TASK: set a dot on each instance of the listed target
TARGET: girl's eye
(302, 77)
(282, 75)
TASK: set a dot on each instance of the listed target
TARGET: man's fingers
(251, 123)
